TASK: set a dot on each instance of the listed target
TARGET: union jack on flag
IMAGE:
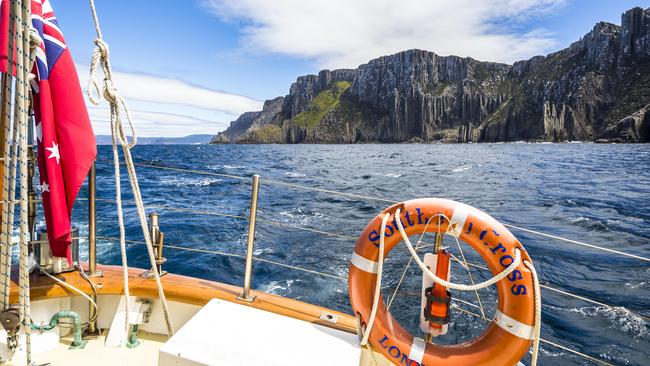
(52, 42)
(66, 142)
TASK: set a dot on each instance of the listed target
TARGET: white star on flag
(54, 152)
(39, 132)
(44, 187)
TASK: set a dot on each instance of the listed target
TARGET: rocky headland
(597, 89)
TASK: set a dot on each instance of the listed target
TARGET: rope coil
(118, 106)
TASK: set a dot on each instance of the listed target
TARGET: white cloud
(346, 33)
(168, 107)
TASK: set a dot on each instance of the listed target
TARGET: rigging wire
(378, 199)
(347, 237)
(344, 279)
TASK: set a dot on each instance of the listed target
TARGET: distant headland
(597, 89)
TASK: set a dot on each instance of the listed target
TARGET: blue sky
(192, 66)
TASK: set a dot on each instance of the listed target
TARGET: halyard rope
(9, 159)
(118, 106)
(30, 40)
(24, 40)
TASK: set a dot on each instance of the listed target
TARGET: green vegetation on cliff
(324, 102)
(265, 134)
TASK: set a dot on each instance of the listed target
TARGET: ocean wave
(224, 166)
(636, 285)
(618, 317)
(295, 175)
(392, 175)
(278, 287)
(462, 168)
(260, 251)
(302, 216)
(188, 182)
(586, 223)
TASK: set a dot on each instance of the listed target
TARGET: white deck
(96, 354)
(221, 333)
(225, 333)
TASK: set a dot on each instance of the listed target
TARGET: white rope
(22, 87)
(493, 280)
(465, 265)
(118, 106)
(380, 269)
(69, 286)
(9, 159)
(24, 40)
(538, 312)
(408, 264)
(451, 285)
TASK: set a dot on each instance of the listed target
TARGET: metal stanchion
(157, 240)
(92, 222)
(248, 272)
(92, 331)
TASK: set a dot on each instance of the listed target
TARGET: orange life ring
(505, 341)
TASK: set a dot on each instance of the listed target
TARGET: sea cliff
(597, 89)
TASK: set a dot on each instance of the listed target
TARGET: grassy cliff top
(322, 104)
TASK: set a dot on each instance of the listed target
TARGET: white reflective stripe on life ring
(417, 349)
(457, 221)
(513, 326)
(364, 264)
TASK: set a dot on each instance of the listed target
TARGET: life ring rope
(520, 330)
(538, 312)
(451, 285)
(380, 269)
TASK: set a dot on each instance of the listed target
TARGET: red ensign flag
(66, 142)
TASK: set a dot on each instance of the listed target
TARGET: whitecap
(224, 166)
(462, 168)
(392, 175)
(277, 287)
(302, 216)
(586, 223)
(294, 174)
(619, 318)
(260, 251)
(188, 182)
(636, 285)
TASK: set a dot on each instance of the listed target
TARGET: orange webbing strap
(438, 298)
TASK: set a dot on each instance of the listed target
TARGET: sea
(598, 194)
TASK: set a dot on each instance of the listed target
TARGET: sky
(192, 66)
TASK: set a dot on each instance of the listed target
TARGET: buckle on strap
(439, 301)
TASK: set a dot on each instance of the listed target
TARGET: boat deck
(96, 354)
(212, 326)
